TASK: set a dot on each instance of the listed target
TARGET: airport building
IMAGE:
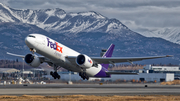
(12, 73)
(8, 70)
(162, 69)
(147, 77)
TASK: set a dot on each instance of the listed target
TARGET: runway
(90, 89)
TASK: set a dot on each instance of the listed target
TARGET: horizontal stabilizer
(121, 73)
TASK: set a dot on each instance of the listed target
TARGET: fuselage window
(32, 36)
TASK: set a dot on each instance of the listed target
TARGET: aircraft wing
(107, 60)
(42, 58)
(22, 56)
(111, 60)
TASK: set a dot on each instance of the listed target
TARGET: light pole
(23, 70)
(70, 76)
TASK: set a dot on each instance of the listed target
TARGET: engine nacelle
(84, 61)
(32, 60)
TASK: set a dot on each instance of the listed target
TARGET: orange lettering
(58, 48)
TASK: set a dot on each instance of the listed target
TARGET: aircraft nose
(29, 40)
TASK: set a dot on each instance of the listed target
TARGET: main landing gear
(55, 75)
(84, 75)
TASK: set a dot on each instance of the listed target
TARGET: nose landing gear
(32, 50)
(84, 75)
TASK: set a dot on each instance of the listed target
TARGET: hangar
(8, 70)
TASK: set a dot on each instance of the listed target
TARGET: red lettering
(59, 48)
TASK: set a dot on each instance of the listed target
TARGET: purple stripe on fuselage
(102, 73)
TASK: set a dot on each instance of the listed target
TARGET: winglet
(169, 55)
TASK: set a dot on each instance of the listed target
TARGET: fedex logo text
(51, 44)
(54, 45)
(90, 61)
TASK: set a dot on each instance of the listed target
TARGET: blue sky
(138, 15)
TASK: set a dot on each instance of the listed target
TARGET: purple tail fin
(108, 54)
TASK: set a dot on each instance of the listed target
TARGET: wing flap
(121, 73)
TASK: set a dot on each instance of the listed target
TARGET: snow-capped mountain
(58, 21)
(85, 32)
(170, 34)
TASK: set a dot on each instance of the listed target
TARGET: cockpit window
(32, 36)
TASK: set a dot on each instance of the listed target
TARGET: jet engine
(84, 61)
(32, 60)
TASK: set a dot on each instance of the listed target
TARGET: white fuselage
(57, 53)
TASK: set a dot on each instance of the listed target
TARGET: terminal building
(163, 69)
(148, 77)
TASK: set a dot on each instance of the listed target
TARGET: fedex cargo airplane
(58, 55)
